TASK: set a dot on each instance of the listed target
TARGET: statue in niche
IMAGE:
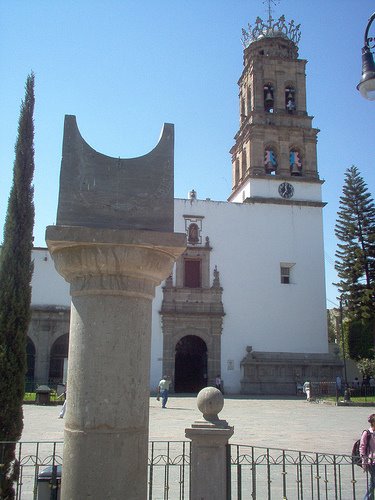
(193, 234)
(270, 161)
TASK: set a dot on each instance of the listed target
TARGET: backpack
(356, 456)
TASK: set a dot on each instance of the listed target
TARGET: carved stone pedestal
(209, 439)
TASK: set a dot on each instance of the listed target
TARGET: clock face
(286, 190)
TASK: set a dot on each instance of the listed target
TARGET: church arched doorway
(190, 374)
(59, 359)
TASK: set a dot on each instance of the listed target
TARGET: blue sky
(126, 67)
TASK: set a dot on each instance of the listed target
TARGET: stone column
(112, 276)
(42, 361)
(209, 439)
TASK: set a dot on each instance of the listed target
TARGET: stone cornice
(206, 248)
(50, 308)
(276, 178)
(288, 178)
(282, 201)
(280, 122)
(188, 314)
(190, 216)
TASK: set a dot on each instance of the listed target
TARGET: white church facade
(247, 298)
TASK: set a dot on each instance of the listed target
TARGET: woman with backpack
(367, 453)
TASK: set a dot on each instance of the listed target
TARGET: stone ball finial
(210, 402)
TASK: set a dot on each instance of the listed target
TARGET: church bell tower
(274, 156)
(274, 171)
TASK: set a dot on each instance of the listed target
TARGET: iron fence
(252, 473)
(169, 470)
(31, 459)
(52, 383)
(39, 466)
(270, 473)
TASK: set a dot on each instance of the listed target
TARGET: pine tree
(15, 291)
(355, 264)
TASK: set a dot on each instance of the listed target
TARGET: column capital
(112, 261)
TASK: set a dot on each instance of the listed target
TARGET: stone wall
(280, 372)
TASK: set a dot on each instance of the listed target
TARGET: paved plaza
(288, 423)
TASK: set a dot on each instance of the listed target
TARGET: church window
(193, 234)
(237, 171)
(244, 164)
(248, 101)
(290, 100)
(286, 273)
(243, 109)
(192, 273)
(270, 161)
(295, 162)
(268, 98)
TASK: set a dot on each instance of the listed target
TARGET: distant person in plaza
(163, 390)
(366, 381)
(355, 383)
(63, 408)
(307, 390)
(218, 383)
(367, 452)
(338, 384)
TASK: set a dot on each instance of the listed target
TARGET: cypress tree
(16, 270)
(355, 264)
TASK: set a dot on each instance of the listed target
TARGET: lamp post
(366, 85)
(346, 387)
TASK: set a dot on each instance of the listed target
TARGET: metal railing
(31, 385)
(169, 470)
(252, 472)
(265, 473)
(320, 390)
(31, 458)
(39, 467)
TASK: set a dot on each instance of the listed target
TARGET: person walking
(218, 383)
(163, 390)
(63, 408)
(367, 453)
(307, 390)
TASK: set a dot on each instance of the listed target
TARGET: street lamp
(346, 390)
(366, 85)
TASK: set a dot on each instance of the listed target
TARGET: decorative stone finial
(169, 282)
(216, 281)
(210, 402)
(192, 195)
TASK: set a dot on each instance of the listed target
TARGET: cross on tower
(269, 6)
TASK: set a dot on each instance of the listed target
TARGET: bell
(295, 170)
(268, 97)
